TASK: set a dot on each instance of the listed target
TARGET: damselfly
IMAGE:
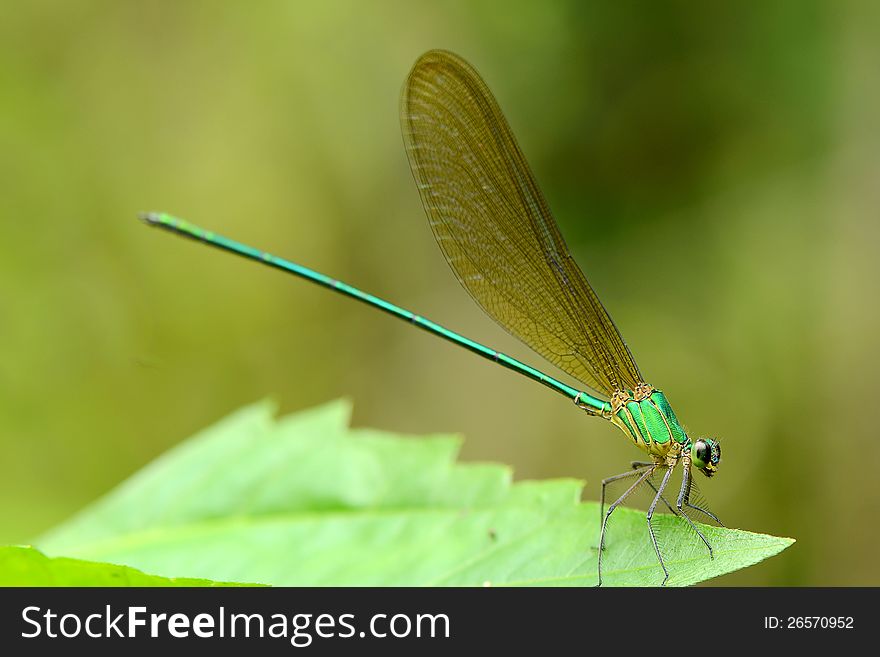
(498, 236)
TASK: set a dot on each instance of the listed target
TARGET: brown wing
(495, 229)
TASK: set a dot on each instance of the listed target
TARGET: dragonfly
(497, 234)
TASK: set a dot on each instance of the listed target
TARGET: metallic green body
(644, 415)
(650, 423)
(584, 400)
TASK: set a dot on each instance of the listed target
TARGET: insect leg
(683, 496)
(643, 475)
(641, 464)
(609, 480)
(657, 497)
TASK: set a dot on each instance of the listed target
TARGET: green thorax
(648, 419)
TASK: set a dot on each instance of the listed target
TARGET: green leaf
(308, 501)
(25, 566)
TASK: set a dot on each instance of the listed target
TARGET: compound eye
(702, 453)
(717, 456)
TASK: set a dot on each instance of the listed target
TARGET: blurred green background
(714, 168)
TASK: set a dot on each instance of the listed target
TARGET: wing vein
(495, 228)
